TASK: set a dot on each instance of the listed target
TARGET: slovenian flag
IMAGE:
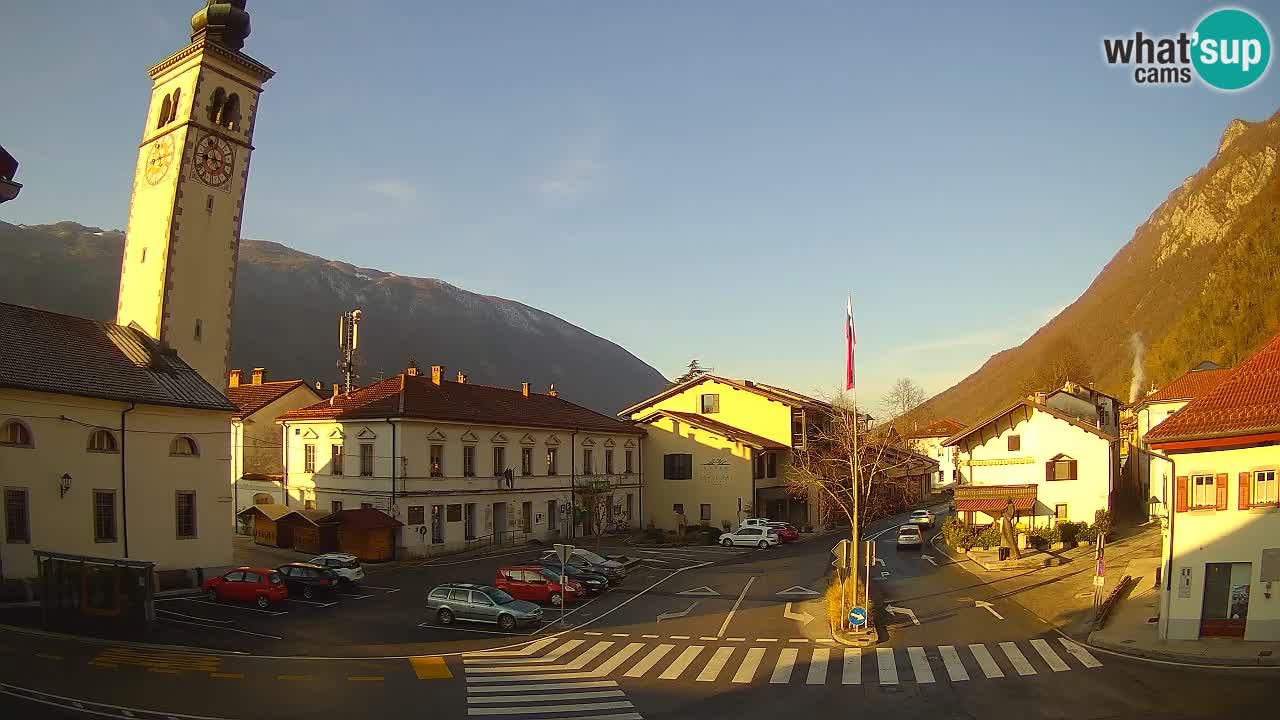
(849, 341)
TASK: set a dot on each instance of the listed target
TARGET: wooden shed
(263, 521)
(367, 533)
(312, 533)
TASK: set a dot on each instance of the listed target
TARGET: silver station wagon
(481, 603)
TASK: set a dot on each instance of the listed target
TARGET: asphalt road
(693, 631)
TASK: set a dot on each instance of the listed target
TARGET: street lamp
(65, 486)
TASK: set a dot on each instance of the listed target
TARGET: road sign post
(841, 563)
(857, 617)
(564, 552)
(871, 551)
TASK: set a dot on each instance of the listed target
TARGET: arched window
(16, 434)
(173, 113)
(215, 107)
(231, 113)
(263, 499)
(101, 440)
(165, 108)
(184, 446)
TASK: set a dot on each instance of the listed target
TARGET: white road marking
(651, 637)
(620, 635)
(311, 602)
(799, 640)
(713, 667)
(708, 637)
(618, 658)
(786, 663)
(579, 663)
(818, 667)
(920, 665)
(728, 618)
(985, 661)
(235, 607)
(524, 697)
(1079, 653)
(221, 627)
(540, 709)
(548, 686)
(747, 670)
(681, 663)
(679, 637)
(766, 639)
(525, 651)
(645, 665)
(193, 617)
(951, 658)
(550, 657)
(593, 634)
(1051, 658)
(888, 667)
(735, 639)
(852, 667)
(1017, 658)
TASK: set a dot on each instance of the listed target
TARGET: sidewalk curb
(1177, 658)
(867, 639)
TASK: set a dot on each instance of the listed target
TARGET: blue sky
(685, 179)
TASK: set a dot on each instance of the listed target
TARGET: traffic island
(1030, 560)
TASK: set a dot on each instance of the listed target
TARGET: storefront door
(1226, 599)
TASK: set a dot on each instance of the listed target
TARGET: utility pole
(348, 343)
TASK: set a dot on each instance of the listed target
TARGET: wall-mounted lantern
(65, 485)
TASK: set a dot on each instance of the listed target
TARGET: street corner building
(257, 462)
(928, 440)
(1222, 526)
(1056, 457)
(110, 446)
(453, 465)
(717, 451)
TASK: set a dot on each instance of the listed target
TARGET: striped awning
(992, 499)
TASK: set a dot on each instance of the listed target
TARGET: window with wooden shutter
(1181, 494)
(1245, 477)
(1015, 443)
(1221, 481)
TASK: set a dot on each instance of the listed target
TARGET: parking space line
(220, 627)
(235, 607)
(312, 602)
(379, 587)
(193, 617)
(352, 596)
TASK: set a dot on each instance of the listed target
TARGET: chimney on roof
(319, 386)
(436, 372)
(257, 376)
(335, 393)
(462, 378)
(524, 389)
(412, 369)
(553, 392)
(1038, 398)
(233, 378)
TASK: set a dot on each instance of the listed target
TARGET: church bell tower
(178, 276)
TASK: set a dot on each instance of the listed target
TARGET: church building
(115, 437)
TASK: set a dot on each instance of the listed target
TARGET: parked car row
(264, 586)
(519, 591)
(760, 532)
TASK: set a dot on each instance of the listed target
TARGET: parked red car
(786, 532)
(258, 585)
(537, 584)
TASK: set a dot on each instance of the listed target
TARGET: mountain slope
(1200, 279)
(288, 302)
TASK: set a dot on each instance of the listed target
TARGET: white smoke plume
(1135, 385)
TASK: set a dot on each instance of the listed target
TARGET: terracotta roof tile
(48, 352)
(361, 519)
(252, 398)
(1245, 402)
(1190, 386)
(415, 396)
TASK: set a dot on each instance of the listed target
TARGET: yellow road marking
(293, 677)
(47, 656)
(366, 678)
(430, 667)
(169, 671)
(229, 676)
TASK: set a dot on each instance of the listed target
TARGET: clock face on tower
(159, 158)
(214, 159)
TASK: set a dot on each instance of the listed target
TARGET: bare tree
(594, 495)
(902, 398)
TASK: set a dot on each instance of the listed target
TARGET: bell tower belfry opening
(178, 275)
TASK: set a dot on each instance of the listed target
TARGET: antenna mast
(348, 343)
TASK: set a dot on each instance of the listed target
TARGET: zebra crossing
(585, 663)
(513, 684)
